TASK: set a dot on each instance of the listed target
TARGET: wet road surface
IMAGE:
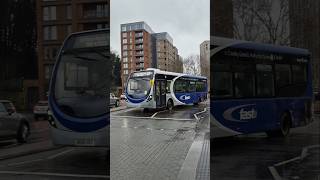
(255, 157)
(154, 144)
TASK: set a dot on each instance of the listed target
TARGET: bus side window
(200, 86)
(265, 82)
(180, 86)
(222, 84)
(244, 84)
(283, 80)
(191, 86)
(299, 79)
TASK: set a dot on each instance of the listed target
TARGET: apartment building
(305, 32)
(141, 48)
(166, 56)
(58, 18)
(136, 49)
(205, 59)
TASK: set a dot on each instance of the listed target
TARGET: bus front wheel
(285, 125)
(170, 105)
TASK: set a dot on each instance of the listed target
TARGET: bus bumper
(71, 138)
(217, 130)
(150, 105)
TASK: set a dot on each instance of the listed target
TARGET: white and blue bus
(258, 88)
(79, 90)
(153, 89)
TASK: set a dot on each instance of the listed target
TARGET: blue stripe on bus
(252, 115)
(190, 98)
(135, 101)
(72, 123)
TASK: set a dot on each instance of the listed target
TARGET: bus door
(160, 88)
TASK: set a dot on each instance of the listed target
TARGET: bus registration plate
(84, 142)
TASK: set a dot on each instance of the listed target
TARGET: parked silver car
(114, 101)
(12, 124)
(41, 110)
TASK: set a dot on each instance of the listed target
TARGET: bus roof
(240, 44)
(158, 71)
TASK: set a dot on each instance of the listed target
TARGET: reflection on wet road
(251, 157)
(152, 144)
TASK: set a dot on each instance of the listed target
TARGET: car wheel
(170, 105)
(23, 133)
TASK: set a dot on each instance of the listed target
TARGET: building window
(49, 13)
(50, 33)
(123, 28)
(124, 35)
(126, 72)
(102, 10)
(50, 53)
(48, 71)
(125, 53)
(124, 41)
(125, 65)
(69, 12)
(125, 59)
(125, 47)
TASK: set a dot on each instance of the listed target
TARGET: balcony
(139, 35)
(139, 47)
(139, 60)
(139, 53)
(89, 14)
(139, 41)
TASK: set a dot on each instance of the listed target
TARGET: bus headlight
(149, 98)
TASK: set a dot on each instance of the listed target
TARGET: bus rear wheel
(285, 125)
(170, 105)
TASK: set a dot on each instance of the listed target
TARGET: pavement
(157, 144)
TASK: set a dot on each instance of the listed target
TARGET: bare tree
(264, 21)
(191, 65)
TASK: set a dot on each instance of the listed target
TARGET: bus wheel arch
(170, 104)
(285, 126)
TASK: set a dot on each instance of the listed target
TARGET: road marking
(24, 162)
(188, 170)
(304, 154)
(55, 174)
(60, 154)
(157, 113)
(141, 117)
(274, 173)
(196, 114)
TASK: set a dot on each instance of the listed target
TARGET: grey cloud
(187, 21)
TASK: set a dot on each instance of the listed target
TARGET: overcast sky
(187, 21)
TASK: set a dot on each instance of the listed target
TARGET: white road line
(304, 154)
(274, 173)
(155, 118)
(173, 119)
(188, 170)
(287, 161)
(305, 150)
(55, 174)
(60, 154)
(196, 114)
(158, 113)
(24, 162)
